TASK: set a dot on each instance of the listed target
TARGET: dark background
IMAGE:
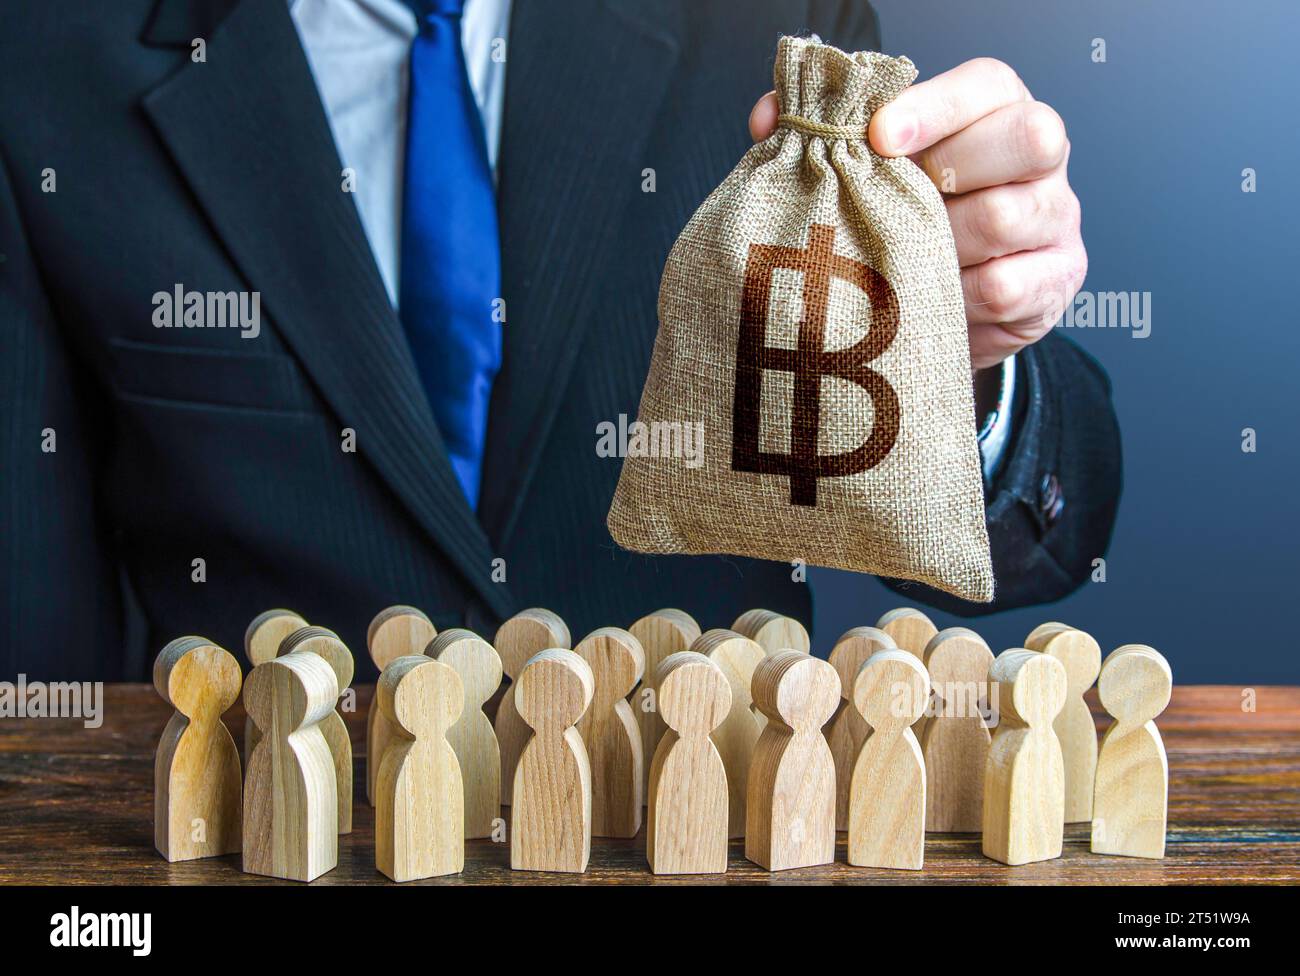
(1203, 562)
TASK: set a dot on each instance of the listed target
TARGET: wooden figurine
(550, 819)
(773, 632)
(261, 641)
(1131, 806)
(887, 792)
(291, 809)
(397, 631)
(197, 778)
(790, 813)
(911, 629)
(516, 641)
(955, 740)
(325, 644)
(475, 743)
(1074, 726)
(848, 730)
(661, 634)
(1024, 779)
(736, 737)
(610, 732)
(419, 804)
(686, 827)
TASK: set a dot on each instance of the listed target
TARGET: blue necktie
(451, 257)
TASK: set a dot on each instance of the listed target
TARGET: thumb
(762, 117)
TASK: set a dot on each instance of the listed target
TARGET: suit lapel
(247, 130)
(583, 83)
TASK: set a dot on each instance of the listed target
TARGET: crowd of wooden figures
(710, 736)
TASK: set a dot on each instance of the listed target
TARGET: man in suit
(349, 439)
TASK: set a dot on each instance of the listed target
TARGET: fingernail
(900, 130)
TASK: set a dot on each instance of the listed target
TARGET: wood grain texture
(887, 792)
(261, 641)
(419, 806)
(736, 737)
(848, 730)
(911, 629)
(1024, 780)
(517, 640)
(686, 826)
(1132, 799)
(790, 808)
(472, 737)
(75, 808)
(955, 741)
(1081, 656)
(610, 732)
(773, 632)
(197, 776)
(662, 633)
(550, 820)
(291, 809)
(326, 645)
(396, 631)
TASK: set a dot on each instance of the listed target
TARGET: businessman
(248, 246)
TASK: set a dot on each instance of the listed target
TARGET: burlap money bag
(811, 326)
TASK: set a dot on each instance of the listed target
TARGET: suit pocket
(208, 377)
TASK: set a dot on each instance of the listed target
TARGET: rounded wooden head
(1036, 683)
(1034, 642)
(300, 687)
(617, 660)
(1080, 654)
(795, 688)
(526, 633)
(325, 644)
(398, 631)
(420, 695)
(853, 649)
(773, 631)
(891, 689)
(197, 677)
(668, 626)
(957, 655)
(694, 695)
(555, 689)
(737, 656)
(910, 628)
(266, 631)
(473, 658)
(1136, 684)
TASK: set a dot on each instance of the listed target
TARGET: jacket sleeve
(1051, 509)
(60, 600)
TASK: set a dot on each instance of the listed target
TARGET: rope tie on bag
(820, 129)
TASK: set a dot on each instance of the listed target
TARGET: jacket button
(1051, 499)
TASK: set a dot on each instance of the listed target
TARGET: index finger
(947, 103)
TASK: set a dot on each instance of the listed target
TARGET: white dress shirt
(358, 51)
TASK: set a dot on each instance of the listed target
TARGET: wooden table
(76, 806)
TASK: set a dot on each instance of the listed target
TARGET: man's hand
(1000, 159)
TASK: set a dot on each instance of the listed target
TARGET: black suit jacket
(178, 445)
